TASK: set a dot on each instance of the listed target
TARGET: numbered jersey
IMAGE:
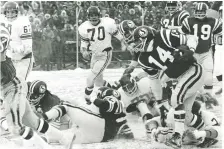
(204, 30)
(112, 110)
(161, 57)
(21, 37)
(175, 20)
(144, 92)
(98, 37)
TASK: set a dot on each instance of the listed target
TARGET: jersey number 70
(100, 33)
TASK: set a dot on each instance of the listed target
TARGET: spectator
(69, 38)
(46, 48)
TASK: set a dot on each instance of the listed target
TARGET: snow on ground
(70, 84)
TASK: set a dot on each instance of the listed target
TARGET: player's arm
(183, 15)
(115, 32)
(85, 42)
(109, 105)
(217, 30)
(185, 28)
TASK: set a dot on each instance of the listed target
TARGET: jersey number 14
(163, 55)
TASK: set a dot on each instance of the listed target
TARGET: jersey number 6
(101, 33)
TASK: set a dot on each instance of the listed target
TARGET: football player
(203, 137)
(203, 27)
(15, 106)
(168, 55)
(96, 34)
(20, 48)
(175, 15)
(138, 95)
(106, 123)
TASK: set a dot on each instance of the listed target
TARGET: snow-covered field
(70, 84)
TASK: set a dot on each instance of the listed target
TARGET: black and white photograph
(111, 74)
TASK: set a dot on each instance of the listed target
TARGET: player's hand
(129, 70)
(86, 55)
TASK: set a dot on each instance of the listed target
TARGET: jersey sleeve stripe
(27, 36)
(217, 27)
(115, 33)
(164, 36)
(120, 28)
(182, 16)
(183, 39)
(186, 25)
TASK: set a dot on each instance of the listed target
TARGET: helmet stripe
(32, 85)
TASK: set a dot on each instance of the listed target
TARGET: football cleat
(219, 92)
(207, 143)
(175, 141)
(125, 132)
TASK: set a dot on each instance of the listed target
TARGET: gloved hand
(87, 55)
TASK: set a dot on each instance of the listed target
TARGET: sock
(56, 112)
(211, 133)
(179, 119)
(197, 122)
(4, 124)
(88, 90)
(142, 107)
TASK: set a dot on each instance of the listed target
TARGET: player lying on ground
(204, 137)
(107, 123)
(21, 120)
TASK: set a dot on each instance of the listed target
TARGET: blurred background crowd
(54, 26)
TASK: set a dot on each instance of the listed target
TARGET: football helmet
(173, 6)
(141, 35)
(128, 84)
(36, 91)
(93, 14)
(127, 28)
(5, 38)
(11, 10)
(103, 92)
(200, 10)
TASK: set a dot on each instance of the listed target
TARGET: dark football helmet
(128, 84)
(94, 15)
(103, 92)
(36, 91)
(5, 38)
(127, 28)
(200, 10)
(141, 35)
(173, 6)
(11, 10)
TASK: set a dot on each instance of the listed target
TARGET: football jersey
(99, 37)
(20, 30)
(175, 20)
(112, 110)
(161, 57)
(204, 29)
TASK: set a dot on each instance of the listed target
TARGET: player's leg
(98, 65)
(187, 86)
(218, 68)
(208, 65)
(24, 67)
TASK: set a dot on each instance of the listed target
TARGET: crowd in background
(54, 23)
